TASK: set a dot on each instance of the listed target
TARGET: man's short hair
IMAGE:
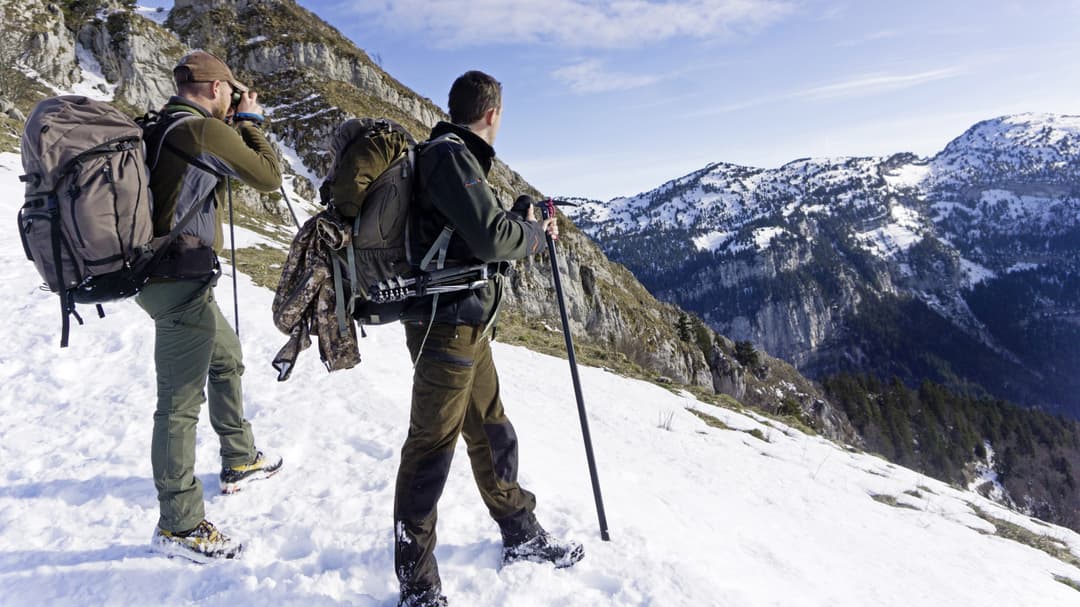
(472, 94)
(202, 89)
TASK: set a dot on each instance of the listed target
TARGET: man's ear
(489, 116)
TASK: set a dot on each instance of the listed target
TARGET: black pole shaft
(288, 203)
(577, 390)
(232, 246)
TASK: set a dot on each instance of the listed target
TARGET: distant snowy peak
(1039, 153)
(1033, 131)
(1029, 147)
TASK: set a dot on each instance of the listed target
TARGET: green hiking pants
(193, 343)
(455, 392)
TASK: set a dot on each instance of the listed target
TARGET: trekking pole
(548, 209)
(232, 245)
(288, 203)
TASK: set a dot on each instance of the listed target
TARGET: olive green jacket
(452, 189)
(241, 152)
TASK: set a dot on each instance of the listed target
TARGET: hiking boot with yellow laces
(263, 466)
(202, 544)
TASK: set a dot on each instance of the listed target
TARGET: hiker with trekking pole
(192, 154)
(455, 385)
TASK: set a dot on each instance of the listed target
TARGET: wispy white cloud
(576, 23)
(860, 86)
(590, 76)
(922, 33)
(877, 83)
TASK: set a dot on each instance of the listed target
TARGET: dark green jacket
(241, 152)
(452, 189)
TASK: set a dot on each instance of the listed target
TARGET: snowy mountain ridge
(723, 197)
(993, 219)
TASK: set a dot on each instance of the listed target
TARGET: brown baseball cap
(201, 66)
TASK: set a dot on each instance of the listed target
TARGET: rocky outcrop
(266, 37)
(137, 53)
(606, 305)
(35, 37)
(8, 109)
(728, 375)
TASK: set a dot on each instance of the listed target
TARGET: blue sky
(610, 98)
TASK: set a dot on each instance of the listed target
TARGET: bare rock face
(8, 109)
(35, 36)
(137, 53)
(606, 304)
(260, 37)
(728, 375)
(321, 58)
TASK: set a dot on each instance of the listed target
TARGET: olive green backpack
(371, 185)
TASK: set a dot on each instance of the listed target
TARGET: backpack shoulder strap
(171, 121)
(160, 131)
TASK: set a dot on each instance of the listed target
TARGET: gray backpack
(86, 223)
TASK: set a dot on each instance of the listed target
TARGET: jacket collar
(479, 148)
(177, 103)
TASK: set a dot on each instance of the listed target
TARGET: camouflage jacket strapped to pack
(306, 300)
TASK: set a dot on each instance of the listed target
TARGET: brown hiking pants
(455, 392)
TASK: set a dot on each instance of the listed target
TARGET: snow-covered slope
(698, 515)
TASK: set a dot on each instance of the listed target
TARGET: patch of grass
(709, 420)
(925, 489)
(10, 132)
(21, 90)
(890, 500)
(758, 434)
(1011, 531)
(261, 263)
(799, 423)
(728, 402)
(914, 493)
(664, 423)
(713, 422)
(1071, 583)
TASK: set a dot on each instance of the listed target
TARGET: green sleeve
(243, 153)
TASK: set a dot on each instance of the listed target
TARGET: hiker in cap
(192, 151)
(455, 386)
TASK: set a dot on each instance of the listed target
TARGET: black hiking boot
(544, 548)
(202, 544)
(431, 597)
(263, 466)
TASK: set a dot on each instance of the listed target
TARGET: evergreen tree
(746, 354)
(682, 327)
